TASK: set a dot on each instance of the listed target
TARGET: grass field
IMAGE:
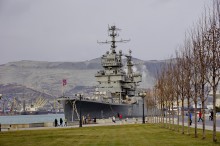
(129, 135)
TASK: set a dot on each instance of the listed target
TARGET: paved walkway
(130, 121)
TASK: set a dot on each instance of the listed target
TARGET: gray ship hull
(96, 109)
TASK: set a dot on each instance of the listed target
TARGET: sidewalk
(199, 126)
(123, 122)
(107, 122)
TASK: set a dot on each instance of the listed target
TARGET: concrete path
(109, 123)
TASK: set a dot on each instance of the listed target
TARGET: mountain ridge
(47, 76)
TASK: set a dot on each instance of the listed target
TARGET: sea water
(26, 119)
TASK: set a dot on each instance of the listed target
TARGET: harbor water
(26, 119)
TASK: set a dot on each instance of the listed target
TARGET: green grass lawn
(129, 135)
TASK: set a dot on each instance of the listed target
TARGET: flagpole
(64, 84)
(62, 90)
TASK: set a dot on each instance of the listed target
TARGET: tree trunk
(163, 115)
(166, 116)
(178, 116)
(203, 112)
(214, 111)
(169, 117)
(173, 118)
(188, 105)
(195, 111)
(182, 113)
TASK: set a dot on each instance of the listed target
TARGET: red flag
(64, 82)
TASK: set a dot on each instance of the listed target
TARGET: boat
(116, 92)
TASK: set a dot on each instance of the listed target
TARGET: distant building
(217, 97)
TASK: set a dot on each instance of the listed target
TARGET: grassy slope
(128, 135)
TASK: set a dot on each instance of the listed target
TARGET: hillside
(19, 78)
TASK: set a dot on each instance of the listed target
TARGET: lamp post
(143, 94)
(80, 110)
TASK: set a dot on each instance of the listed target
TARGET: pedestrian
(89, 119)
(200, 116)
(61, 122)
(94, 120)
(113, 119)
(190, 118)
(83, 119)
(120, 117)
(55, 122)
(65, 121)
(212, 115)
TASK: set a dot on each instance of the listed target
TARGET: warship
(116, 92)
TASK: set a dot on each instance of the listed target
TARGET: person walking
(61, 122)
(113, 119)
(200, 116)
(120, 117)
(65, 122)
(83, 119)
(190, 118)
(94, 120)
(212, 115)
(55, 122)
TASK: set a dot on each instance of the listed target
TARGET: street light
(80, 113)
(143, 94)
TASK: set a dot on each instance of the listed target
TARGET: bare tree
(182, 87)
(196, 75)
(178, 85)
(213, 51)
(187, 67)
(150, 104)
(200, 70)
(171, 79)
(160, 86)
(199, 73)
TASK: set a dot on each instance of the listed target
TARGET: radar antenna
(113, 33)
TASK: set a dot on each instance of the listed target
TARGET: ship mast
(113, 34)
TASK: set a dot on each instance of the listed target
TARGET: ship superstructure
(116, 90)
(117, 83)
